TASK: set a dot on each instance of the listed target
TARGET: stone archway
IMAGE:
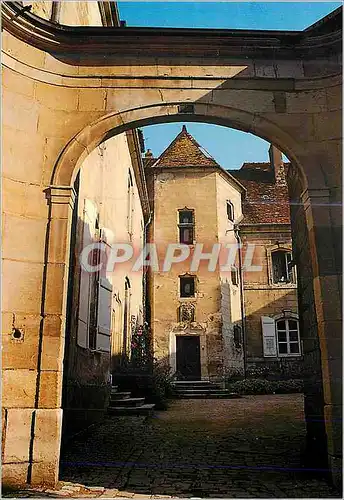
(114, 123)
(94, 134)
(61, 102)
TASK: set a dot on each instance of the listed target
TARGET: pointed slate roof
(185, 151)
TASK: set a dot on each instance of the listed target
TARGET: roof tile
(185, 151)
(267, 198)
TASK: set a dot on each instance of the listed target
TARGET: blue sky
(235, 15)
(229, 147)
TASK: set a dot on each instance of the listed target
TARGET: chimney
(148, 154)
(277, 165)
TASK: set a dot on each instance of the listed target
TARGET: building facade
(60, 102)
(105, 306)
(272, 333)
(189, 193)
(220, 320)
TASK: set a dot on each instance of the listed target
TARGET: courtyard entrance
(241, 448)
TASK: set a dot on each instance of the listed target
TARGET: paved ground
(239, 448)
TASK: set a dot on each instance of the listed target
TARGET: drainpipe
(237, 236)
(145, 290)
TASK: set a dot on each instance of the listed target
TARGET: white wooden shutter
(89, 224)
(104, 315)
(269, 336)
(104, 302)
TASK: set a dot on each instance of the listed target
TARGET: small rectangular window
(130, 204)
(282, 267)
(187, 286)
(237, 336)
(186, 227)
(185, 217)
(230, 211)
(234, 276)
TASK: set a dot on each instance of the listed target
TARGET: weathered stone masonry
(60, 102)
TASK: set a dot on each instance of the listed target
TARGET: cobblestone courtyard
(240, 448)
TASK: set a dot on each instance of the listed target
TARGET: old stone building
(61, 102)
(194, 309)
(218, 322)
(273, 342)
(111, 207)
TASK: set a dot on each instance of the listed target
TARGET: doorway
(188, 357)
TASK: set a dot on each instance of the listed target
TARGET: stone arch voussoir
(114, 123)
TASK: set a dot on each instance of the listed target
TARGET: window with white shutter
(88, 233)
(104, 315)
(269, 337)
(104, 309)
(288, 337)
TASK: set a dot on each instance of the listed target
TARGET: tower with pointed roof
(217, 324)
(196, 311)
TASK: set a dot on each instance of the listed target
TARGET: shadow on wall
(306, 367)
(86, 384)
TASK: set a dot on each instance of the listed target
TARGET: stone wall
(60, 101)
(262, 297)
(231, 307)
(103, 180)
(206, 192)
(69, 13)
(314, 397)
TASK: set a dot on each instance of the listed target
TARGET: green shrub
(262, 386)
(162, 385)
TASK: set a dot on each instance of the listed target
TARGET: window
(230, 211)
(130, 204)
(234, 276)
(288, 340)
(186, 226)
(282, 271)
(126, 317)
(237, 336)
(187, 286)
(94, 300)
(280, 336)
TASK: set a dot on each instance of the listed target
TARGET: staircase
(121, 403)
(201, 389)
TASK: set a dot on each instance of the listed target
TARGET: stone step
(197, 389)
(192, 382)
(207, 395)
(120, 395)
(146, 409)
(198, 385)
(201, 391)
(127, 402)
